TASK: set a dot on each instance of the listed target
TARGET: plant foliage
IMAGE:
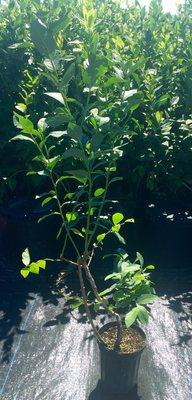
(125, 71)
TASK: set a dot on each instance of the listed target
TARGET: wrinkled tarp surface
(49, 353)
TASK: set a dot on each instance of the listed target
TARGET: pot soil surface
(131, 341)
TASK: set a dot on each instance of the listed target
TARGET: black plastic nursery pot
(119, 371)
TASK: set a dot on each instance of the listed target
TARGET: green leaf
(62, 23)
(78, 173)
(47, 216)
(140, 259)
(69, 74)
(116, 228)
(117, 217)
(113, 80)
(98, 192)
(108, 290)
(21, 107)
(118, 178)
(47, 200)
(143, 315)
(174, 100)
(119, 237)
(24, 272)
(129, 93)
(76, 305)
(102, 120)
(42, 38)
(71, 216)
(34, 268)
(96, 306)
(150, 267)
(75, 131)
(69, 195)
(96, 141)
(42, 125)
(41, 264)
(57, 134)
(131, 316)
(25, 124)
(80, 179)
(57, 96)
(77, 232)
(22, 137)
(146, 298)
(26, 257)
(74, 152)
(58, 120)
(101, 237)
(129, 268)
(114, 275)
(52, 162)
(158, 116)
(41, 173)
(118, 73)
(130, 220)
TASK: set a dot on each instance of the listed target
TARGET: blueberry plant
(77, 143)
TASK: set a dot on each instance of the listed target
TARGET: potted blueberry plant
(78, 142)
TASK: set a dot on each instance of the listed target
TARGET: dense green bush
(143, 66)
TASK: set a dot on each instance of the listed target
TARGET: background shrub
(146, 52)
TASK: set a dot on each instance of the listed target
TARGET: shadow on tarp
(99, 393)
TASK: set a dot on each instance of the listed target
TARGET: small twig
(61, 260)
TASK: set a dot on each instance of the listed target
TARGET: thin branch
(83, 291)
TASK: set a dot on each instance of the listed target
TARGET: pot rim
(134, 327)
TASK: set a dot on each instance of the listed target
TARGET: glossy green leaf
(140, 259)
(58, 120)
(22, 137)
(77, 304)
(74, 152)
(48, 215)
(116, 228)
(42, 37)
(119, 237)
(98, 192)
(114, 275)
(150, 267)
(47, 200)
(24, 272)
(131, 316)
(101, 237)
(56, 96)
(69, 74)
(77, 232)
(143, 315)
(71, 216)
(41, 264)
(117, 218)
(96, 141)
(129, 93)
(34, 268)
(146, 299)
(74, 131)
(58, 134)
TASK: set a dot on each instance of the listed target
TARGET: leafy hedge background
(149, 53)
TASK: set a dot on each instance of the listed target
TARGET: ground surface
(49, 354)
